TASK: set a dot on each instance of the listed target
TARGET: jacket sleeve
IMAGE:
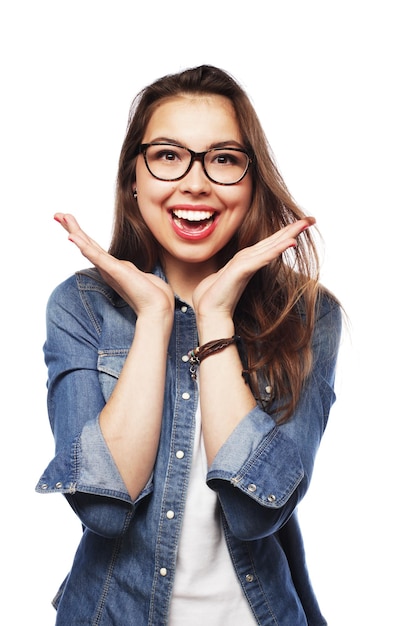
(82, 468)
(264, 469)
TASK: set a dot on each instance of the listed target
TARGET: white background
(333, 83)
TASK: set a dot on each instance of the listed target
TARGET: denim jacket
(124, 567)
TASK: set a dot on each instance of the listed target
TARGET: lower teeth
(189, 225)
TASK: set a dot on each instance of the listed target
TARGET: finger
(249, 260)
(71, 225)
(285, 238)
(89, 248)
(67, 221)
(280, 240)
(76, 234)
(291, 231)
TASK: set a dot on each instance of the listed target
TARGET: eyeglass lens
(222, 165)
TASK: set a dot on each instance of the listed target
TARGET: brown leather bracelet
(212, 347)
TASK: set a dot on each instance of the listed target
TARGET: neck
(184, 277)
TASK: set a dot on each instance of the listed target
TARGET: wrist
(201, 352)
(157, 322)
(210, 328)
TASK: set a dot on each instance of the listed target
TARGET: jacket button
(44, 486)
(185, 395)
(252, 487)
(58, 485)
(179, 454)
(170, 514)
(184, 309)
(163, 571)
(185, 358)
(249, 578)
(271, 498)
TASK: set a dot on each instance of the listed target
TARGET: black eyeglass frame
(195, 156)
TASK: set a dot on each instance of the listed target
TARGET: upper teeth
(192, 216)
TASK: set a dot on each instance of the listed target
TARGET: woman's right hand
(145, 293)
(131, 418)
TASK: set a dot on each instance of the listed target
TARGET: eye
(166, 155)
(223, 158)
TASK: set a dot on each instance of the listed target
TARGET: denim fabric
(124, 568)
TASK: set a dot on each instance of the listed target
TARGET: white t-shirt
(206, 588)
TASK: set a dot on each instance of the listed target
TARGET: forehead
(198, 117)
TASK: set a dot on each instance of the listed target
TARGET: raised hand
(218, 294)
(144, 292)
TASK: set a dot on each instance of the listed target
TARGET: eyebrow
(215, 144)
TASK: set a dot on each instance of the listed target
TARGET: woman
(190, 376)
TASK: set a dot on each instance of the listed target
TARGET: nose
(196, 181)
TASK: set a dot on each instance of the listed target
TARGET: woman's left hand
(217, 295)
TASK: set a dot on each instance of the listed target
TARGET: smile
(193, 224)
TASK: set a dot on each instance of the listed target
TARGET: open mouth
(193, 222)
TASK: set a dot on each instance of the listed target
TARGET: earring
(135, 193)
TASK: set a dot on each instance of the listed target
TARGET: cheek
(242, 200)
(245, 190)
(151, 190)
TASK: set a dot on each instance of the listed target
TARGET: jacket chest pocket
(109, 365)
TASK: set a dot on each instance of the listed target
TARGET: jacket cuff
(260, 460)
(87, 467)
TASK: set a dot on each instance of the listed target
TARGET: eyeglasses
(224, 166)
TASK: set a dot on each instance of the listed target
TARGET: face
(192, 218)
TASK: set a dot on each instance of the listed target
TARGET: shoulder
(90, 280)
(85, 298)
(324, 303)
(83, 283)
(327, 303)
(328, 324)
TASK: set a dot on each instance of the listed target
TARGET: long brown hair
(275, 316)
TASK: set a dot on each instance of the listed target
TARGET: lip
(192, 233)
